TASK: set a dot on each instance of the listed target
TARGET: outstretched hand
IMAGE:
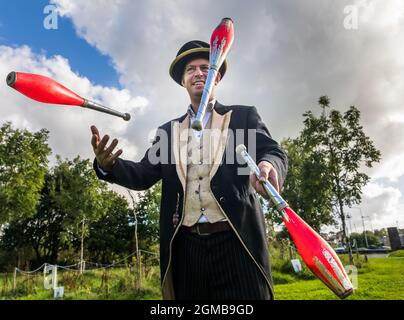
(105, 158)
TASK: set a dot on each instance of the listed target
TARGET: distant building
(333, 238)
(396, 239)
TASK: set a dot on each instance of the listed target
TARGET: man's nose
(198, 71)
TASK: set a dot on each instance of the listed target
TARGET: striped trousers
(215, 267)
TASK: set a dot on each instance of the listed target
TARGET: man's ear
(182, 81)
(218, 78)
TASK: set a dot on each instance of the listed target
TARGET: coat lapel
(180, 140)
(218, 136)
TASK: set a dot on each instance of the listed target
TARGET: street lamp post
(348, 216)
(371, 224)
(363, 225)
(364, 230)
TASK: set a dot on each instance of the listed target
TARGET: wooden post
(15, 279)
(138, 254)
(82, 247)
(290, 250)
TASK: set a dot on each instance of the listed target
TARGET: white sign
(296, 265)
(58, 292)
(50, 278)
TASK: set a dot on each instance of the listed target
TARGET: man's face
(194, 77)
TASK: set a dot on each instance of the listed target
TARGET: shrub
(397, 254)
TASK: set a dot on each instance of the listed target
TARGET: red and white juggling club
(220, 43)
(47, 90)
(317, 254)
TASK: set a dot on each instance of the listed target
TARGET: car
(340, 250)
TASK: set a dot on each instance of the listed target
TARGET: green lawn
(382, 279)
(379, 279)
(397, 254)
(108, 284)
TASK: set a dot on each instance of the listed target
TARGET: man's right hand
(105, 158)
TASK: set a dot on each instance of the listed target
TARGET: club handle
(96, 106)
(207, 89)
(275, 197)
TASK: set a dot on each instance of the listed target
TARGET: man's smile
(199, 83)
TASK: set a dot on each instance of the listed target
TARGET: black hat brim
(178, 65)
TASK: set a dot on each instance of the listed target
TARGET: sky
(285, 55)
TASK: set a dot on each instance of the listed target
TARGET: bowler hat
(191, 50)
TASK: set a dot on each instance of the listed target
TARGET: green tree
(41, 231)
(111, 236)
(23, 164)
(372, 239)
(339, 143)
(148, 212)
(72, 194)
(307, 188)
(79, 193)
(381, 233)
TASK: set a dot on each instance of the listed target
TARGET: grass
(101, 284)
(397, 254)
(378, 279)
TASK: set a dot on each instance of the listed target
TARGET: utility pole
(348, 216)
(138, 257)
(370, 220)
(82, 247)
(364, 230)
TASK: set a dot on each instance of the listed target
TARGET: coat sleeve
(135, 175)
(267, 149)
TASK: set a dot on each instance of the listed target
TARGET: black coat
(233, 192)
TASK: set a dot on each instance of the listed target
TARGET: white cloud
(392, 168)
(381, 207)
(285, 55)
(69, 126)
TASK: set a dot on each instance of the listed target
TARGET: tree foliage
(147, 210)
(326, 164)
(307, 187)
(371, 239)
(71, 192)
(23, 165)
(111, 236)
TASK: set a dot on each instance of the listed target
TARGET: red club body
(317, 254)
(221, 41)
(47, 90)
(43, 89)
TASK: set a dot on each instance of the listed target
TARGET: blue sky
(21, 23)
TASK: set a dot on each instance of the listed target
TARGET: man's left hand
(267, 172)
